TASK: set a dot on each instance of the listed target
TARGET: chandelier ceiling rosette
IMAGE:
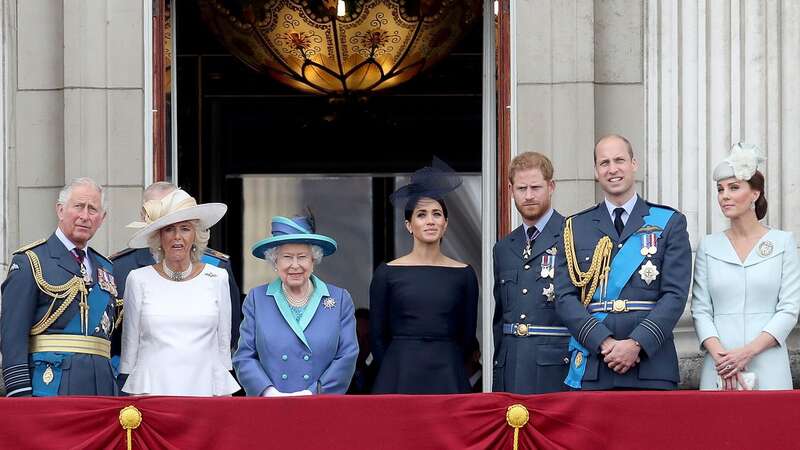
(337, 47)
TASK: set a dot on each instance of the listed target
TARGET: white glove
(272, 392)
(299, 393)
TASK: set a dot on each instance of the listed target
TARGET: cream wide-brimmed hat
(177, 206)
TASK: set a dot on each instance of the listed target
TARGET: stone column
(76, 82)
(719, 72)
(579, 76)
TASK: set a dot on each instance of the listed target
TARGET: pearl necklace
(297, 303)
(176, 276)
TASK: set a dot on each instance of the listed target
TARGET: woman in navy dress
(423, 306)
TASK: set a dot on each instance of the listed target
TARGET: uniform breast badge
(549, 293)
(105, 323)
(549, 263)
(649, 272)
(329, 302)
(106, 282)
(765, 248)
(649, 247)
(48, 375)
(527, 252)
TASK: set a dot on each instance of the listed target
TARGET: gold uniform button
(527, 266)
(524, 291)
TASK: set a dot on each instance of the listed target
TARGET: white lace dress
(176, 335)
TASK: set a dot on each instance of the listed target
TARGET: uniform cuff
(649, 335)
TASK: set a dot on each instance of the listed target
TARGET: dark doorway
(234, 122)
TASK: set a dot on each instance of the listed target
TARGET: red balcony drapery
(573, 420)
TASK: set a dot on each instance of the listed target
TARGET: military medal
(87, 279)
(649, 247)
(648, 272)
(527, 252)
(328, 302)
(548, 266)
(765, 248)
(549, 293)
(48, 375)
(106, 282)
(105, 323)
(578, 360)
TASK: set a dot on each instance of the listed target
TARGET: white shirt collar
(87, 262)
(628, 207)
(541, 223)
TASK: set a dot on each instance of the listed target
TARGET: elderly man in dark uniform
(60, 306)
(624, 281)
(130, 259)
(530, 341)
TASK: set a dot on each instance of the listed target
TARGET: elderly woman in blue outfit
(298, 336)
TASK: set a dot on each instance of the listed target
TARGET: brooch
(765, 248)
(209, 274)
(328, 303)
(649, 272)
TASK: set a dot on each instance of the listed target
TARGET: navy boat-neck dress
(422, 324)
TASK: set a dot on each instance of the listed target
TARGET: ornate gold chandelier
(340, 46)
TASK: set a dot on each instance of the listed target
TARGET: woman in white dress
(176, 327)
(746, 293)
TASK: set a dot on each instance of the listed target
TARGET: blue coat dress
(317, 353)
(658, 368)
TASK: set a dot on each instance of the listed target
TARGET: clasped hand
(729, 366)
(620, 355)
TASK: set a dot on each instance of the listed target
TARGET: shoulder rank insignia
(27, 247)
(216, 254)
(101, 256)
(121, 253)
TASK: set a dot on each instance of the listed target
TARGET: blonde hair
(530, 160)
(199, 246)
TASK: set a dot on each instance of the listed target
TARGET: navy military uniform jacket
(536, 363)
(658, 368)
(131, 259)
(24, 304)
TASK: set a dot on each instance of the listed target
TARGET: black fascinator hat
(433, 182)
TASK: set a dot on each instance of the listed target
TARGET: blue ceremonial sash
(623, 266)
(98, 301)
(208, 259)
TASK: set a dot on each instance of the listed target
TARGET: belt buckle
(619, 306)
(522, 329)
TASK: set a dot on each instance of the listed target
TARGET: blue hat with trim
(297, 230)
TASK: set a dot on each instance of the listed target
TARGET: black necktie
(533, 232)
(618, 220)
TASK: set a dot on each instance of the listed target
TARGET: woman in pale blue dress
(746, 293)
